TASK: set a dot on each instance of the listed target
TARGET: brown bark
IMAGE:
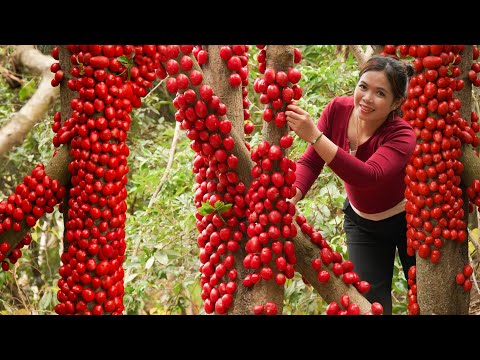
(278, 58)
(216, 74)
(359, 54)
(66, 96)
(14, 132)
(437, 291)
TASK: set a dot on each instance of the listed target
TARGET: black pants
(371, 247)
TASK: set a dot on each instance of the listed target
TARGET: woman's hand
(301, 123)
(297, 197)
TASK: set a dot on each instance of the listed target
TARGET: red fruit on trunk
(377, 308)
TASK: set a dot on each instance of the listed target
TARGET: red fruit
(353, 309)
(271, 308)
(88, 294)
(297, 55)
(258, 310)
(286, 141)
(345, 300)
(323, 276)
(317, 264)
(294, 75)
(225, 54)
(235, 80)
(337, 269)
(280, 279)
(248, 127)
(424, 251)
(363, 287)
(412, 272)
(467, 271)
(99, 62)
(332, 308)
(467, 285)
(377, 308)
(460, 278)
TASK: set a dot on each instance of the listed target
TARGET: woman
(367, 144)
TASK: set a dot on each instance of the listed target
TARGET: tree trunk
(37, 106)
(278, 58)
(437, 291)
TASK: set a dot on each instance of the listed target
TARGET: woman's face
(373, 97)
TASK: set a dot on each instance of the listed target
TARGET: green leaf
(149, 263)
(205, 209)
(162, 258)
(27, 90)
(124, 60)
(45, 300)
(219, 204)
(130, 278)
(225, 208)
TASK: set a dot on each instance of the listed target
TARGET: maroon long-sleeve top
(374, 178)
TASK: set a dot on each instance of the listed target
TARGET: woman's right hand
(298, 196)
(301, 123)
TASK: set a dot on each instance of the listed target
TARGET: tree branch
(359, 54)
(171, 155)
(34, 110)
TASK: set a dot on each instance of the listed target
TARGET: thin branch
(20, 291)
(171, 155)
(155, 88)
(10, 74)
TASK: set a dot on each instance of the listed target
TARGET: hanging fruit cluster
(434, 198)
(434, 204)
(270, 252)
(36, 195)
(110, 81)
(270, 216)
(219, 193)
(223, 204)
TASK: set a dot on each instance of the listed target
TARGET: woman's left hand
(301, 123)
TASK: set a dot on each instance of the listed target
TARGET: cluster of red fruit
(346, 307)
(110, 80)
(277, 92)
(35, 196)
(218, 186)
(270, 216)
(219, 194)
(434, 197)
(463, 278)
